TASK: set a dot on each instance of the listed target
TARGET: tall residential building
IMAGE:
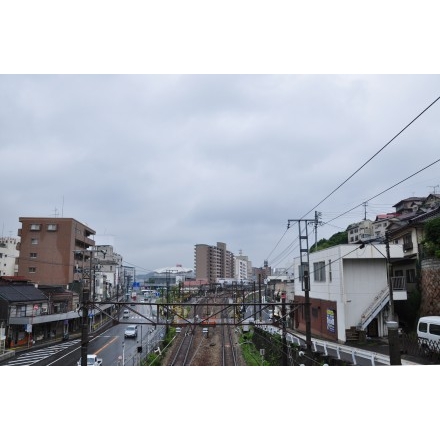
(53, 250)
(213, 262)
(8, 256)
(243, 268)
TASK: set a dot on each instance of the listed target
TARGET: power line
(391, 187)
(372, 157)
(285, 232)
(369, 160)
(371, 198)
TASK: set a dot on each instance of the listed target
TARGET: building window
(32, 269)
(33, 255)
(398, 273)
(411, 276)
(407, 242)
(51, 227)
(319, 271)
(330, 270)
(34, 240)
(35, 227)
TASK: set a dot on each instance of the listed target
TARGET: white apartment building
(8, 256)
(241, 268)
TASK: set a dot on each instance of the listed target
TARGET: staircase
(378, 303)
(352, 334)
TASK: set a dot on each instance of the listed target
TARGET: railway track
(229, 355)
(203, 343)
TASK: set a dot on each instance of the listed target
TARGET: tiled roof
(426, 215)
(21, 293)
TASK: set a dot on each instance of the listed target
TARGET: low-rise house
(349, 291)
(33, 314)
(421, 277)
(362, 230)
(21, 307)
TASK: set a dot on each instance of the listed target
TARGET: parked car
(428, 333)
(131, 331)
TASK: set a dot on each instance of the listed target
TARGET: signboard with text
(330, 320)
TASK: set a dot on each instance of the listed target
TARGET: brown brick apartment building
(52, 249)
(213, 262)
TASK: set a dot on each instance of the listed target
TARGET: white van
(428, 332)
(126, 314)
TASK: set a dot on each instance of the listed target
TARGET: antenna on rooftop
(433, 187)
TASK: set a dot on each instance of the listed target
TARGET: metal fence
(412, 345)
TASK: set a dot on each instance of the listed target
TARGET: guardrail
(342, 352)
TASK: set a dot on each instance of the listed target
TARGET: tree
(334, 240)
(431, 241)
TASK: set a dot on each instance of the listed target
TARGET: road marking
(106, 345)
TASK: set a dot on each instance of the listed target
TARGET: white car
(92, 361)
(131, 331)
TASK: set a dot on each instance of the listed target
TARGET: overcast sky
(158, 163)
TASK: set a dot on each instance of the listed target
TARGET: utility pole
(284, 331)
(305, 280)
(167, 281)
(85, 314)
(392, 324)
(316, 222)
(389, 275)
(433, 188)
(259, 291)
(307, 310)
